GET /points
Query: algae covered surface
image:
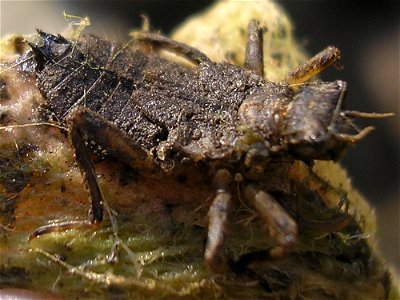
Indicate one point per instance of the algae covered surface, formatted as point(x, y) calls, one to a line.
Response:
point(151, 244)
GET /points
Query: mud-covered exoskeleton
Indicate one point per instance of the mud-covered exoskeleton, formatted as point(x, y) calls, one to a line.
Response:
point(159, 116)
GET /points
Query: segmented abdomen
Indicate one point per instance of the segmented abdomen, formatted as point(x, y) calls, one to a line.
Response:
point(101, 76)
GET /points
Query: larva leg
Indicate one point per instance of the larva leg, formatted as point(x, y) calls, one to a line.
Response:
point(281, 227)
point(85, 124)
point(217, 221)
point(315, 65)
point(192, 54)
point(254, 55)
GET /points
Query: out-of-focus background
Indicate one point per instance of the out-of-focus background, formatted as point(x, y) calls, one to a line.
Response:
point(366, 32)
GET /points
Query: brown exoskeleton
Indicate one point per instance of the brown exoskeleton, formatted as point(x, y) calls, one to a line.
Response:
point(158, 116)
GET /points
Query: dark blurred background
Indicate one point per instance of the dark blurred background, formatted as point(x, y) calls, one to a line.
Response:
point(368, 35)
point(366, 32)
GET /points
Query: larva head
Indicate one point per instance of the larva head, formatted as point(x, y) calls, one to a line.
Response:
point(307, 123)
point(314, 126)
point(317, 127)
